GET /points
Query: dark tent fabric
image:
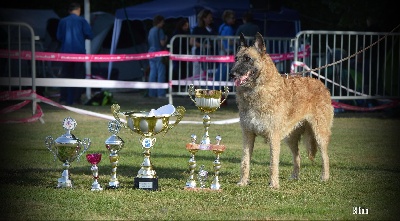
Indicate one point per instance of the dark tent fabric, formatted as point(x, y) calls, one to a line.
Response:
point(190, 8)
point(41, 20)
point(168, 9)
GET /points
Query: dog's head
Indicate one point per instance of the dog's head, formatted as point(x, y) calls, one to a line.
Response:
point(249, 61)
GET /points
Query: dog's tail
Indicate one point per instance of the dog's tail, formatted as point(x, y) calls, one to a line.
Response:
point(312, 151)
point(310, 143)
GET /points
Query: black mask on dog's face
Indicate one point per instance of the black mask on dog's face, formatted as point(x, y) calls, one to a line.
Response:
point(246, 67)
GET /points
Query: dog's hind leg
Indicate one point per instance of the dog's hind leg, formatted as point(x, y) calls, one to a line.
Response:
point(293, 142)
point(321, 138)
point(323, 146)
point(248, 146)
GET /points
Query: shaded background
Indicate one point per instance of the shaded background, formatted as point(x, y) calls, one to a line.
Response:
point(315, 14)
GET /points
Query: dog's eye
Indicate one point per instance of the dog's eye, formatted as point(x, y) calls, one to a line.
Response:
point(247, 58)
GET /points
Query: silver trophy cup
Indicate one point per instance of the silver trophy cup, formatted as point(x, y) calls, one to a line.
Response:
point(67, 148)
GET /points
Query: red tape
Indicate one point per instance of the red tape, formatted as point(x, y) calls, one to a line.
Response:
point(356, 108)
point(13, 95)
point(51, 56)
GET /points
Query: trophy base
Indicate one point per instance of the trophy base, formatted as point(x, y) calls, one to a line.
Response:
point(113, 185)
point(198, 189)
point(64, 183)
point(96, 187)
point(145, 183)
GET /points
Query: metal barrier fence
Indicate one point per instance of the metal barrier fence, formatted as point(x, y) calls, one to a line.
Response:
point(373, 73)
point(213, 75)
point(19, 36)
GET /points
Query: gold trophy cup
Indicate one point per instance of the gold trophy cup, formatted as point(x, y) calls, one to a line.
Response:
point(148, 124)
point(114, 144)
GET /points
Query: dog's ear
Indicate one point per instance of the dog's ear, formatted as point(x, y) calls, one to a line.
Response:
point(260, 44)
point(242, 41)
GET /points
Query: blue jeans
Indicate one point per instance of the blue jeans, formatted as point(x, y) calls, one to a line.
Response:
point(157, 74)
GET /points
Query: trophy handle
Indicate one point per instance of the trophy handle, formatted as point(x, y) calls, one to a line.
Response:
point(86, 144)
point(225, 93)
point(191, 91)
point(115, 111)
point(179, 113)
point(49, 141)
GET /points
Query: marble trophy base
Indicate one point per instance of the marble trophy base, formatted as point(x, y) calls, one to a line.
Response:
point(145, 183)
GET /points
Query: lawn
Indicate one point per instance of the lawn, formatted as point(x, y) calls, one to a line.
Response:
point(364, 158)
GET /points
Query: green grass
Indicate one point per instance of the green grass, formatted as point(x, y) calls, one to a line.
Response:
point(364, 159)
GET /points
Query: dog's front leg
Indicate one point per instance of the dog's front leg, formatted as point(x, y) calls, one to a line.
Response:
point(248, 146)
point(275, 149)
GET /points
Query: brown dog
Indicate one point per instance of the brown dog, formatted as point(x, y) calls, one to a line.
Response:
point(276, 107)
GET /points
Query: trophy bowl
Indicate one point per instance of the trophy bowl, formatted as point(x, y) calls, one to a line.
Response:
point(93, 158)
point(145, 125)
point(149, 123)
point(67, 148)
point(207, 100)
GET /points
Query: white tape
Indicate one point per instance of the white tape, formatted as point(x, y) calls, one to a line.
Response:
point(92, 83)
point(109, 117)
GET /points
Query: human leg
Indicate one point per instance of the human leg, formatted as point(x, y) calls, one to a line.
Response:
point(153, 76)
point(79, 73)
point(161, 78)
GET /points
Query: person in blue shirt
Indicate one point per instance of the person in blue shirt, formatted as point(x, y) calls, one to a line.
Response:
point(72, 32)
point(227, 46)
point(157, 40)
point(227, 29)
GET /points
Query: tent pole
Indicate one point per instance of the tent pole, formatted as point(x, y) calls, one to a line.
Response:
point(88, 51)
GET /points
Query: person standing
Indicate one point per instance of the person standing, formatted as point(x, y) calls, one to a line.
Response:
point(227, 29)
point(199, 45)
point(157, 40)
point(248, 28)
point(180, 46)
point(72, 31)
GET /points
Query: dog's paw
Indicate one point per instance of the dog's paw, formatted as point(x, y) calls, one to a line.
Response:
point(294, 177)
point(242, 183)
point(325, 177)
point(274, 185)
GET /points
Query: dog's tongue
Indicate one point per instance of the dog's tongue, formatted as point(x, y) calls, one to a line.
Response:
point(237, 82)
point(241, 80)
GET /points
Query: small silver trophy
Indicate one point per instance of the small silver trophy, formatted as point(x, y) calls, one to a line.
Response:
point(67, 148)
point(202, 176)
point(114, 144)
